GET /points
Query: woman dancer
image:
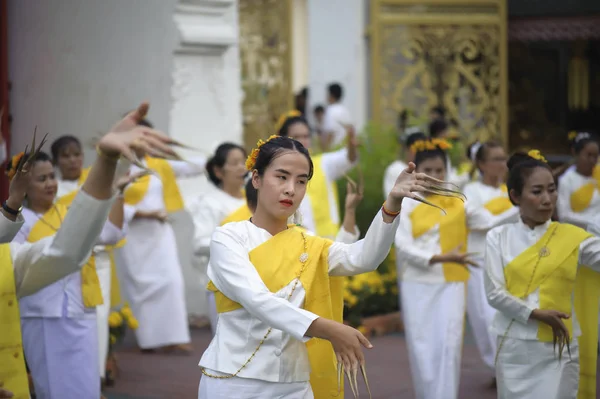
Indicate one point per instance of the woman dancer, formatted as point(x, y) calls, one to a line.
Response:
point(578, 187)
point(151, 274)
point(531, 268)
point(488, 192)
point(271, 281)
point(433, 275)
point(226, 170)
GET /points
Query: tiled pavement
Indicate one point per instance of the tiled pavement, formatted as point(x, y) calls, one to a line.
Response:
point(145, 376)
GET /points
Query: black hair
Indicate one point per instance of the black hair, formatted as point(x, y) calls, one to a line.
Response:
point(39, 157)
point(520, 167)
point(284, 129)
point(271, 150)
point(219, 159)
point(436, 127)
point(413, 138)
point(60, 143)
point(581, 140)
point(439, 110)
point(319, 108)
point(251, 195)
point(335, 90)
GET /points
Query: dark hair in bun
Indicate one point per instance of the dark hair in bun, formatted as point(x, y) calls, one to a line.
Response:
point(220, 159)
point(582, 139)
point(520, 166)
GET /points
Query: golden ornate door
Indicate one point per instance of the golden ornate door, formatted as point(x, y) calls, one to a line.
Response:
point(451, 53)
point(266, 65)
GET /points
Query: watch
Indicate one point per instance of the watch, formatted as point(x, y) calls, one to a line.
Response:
point(8, 209)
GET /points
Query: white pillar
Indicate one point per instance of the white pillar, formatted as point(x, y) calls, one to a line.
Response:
point(205, 108)
point(338, 53)
point(206, 93)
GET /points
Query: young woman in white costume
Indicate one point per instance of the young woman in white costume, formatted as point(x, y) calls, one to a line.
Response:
point(579, 187)
point(151, 275)
point(270, 280)
point(433, 274)
point(226, 170)
point(488, 192)
point(67, 156)
point(50, 259)
point(533, 276)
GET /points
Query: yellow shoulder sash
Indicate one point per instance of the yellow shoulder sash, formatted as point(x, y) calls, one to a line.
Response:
point(581, 198)
point(67, 199)
point(499, 205)
point(12, 364)
point(453, 230)
point(171, 194)
point(318, 192)
point(47, 226)
point(239, 215)
point(550, 266)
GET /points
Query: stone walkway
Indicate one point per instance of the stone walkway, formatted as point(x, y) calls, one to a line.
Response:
point(151, 376)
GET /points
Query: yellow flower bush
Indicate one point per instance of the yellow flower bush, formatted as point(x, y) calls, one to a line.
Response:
point(371, 294)
point(115, 319)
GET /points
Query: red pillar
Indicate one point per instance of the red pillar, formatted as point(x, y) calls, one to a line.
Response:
point(4, 91)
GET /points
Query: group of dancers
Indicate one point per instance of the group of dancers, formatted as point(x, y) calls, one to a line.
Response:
point(271, 250)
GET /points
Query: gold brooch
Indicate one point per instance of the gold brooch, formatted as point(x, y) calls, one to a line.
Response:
point(545, 251)
point(303, 257)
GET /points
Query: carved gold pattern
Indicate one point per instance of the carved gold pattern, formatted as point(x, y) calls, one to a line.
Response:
point(449, 56)
point(265, 52)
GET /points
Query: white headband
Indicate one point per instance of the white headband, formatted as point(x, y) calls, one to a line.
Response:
point(473, 151)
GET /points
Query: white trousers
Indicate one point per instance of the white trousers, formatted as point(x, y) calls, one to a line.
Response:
point(246, 388)
point(434, 317)
point(481, 315)
point(531, 370)
point(102, 311)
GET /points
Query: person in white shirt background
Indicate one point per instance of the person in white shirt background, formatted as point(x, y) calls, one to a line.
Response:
point(336, 118)
point(404, 157)
point(579, 187)
point(277, 365)
point(490, 193)
point(532, 272)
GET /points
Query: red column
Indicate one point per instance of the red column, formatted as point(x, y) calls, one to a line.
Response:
point(4, 92)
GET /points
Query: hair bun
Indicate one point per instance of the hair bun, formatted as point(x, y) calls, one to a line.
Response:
point(520, 157)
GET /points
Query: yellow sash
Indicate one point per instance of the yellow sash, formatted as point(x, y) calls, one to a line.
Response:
point(498, 205)
point(171, 195)
point(115, 288)
point(453, 230)
point(239, 215)
point(318, 192)
point(12, 364)
point(67, 199)
point(47, 226)
point(277, 263)
point(581, 198)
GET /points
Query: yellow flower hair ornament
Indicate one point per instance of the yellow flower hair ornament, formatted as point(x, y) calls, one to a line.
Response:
point(572, 135)
point(430, 145)
point(284, 117)
point(14, 162)
point(251, 160)
point(536, 154)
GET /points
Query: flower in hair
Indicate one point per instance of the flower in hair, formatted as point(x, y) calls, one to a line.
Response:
point(430, 145)
point(572, 135)
point(536, 154)
point(14, 162)
point(284, 117)
point(251, 160)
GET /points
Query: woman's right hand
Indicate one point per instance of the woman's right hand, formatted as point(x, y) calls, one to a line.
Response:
point(553, 318)
point(455, 256)
point(347, 342)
